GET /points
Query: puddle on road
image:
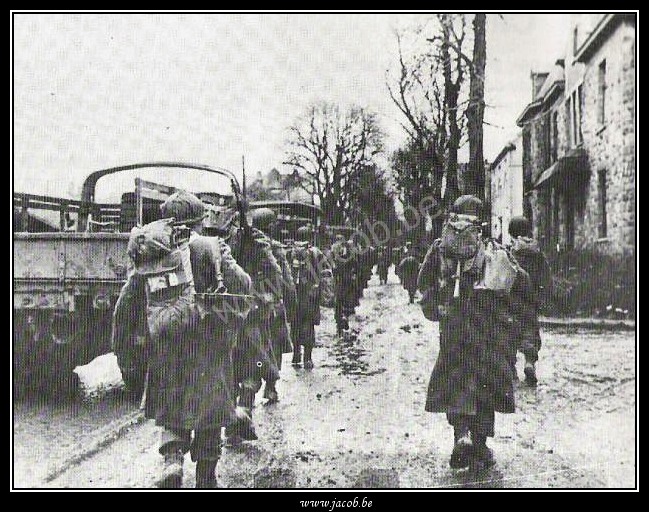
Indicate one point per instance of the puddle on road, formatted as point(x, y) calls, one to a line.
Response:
point(350, 357)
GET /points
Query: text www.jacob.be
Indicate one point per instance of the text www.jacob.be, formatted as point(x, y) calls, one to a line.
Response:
point(334, 504)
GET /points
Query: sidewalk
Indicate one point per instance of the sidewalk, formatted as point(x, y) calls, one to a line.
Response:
point(588, 323)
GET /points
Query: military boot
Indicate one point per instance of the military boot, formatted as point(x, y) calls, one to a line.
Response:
point(530, 374)
point(297, 356)
point(483, 456)
point(462, 450)
point(206, 474)
point(270, 393)
point(172, 471)
point(241, 428)
point(308, 362)
point(514, 373)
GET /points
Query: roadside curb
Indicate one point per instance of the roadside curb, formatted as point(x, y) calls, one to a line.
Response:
point(103, 437)
point(589, 323)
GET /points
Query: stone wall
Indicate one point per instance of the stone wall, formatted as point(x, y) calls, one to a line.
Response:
point(611, 146)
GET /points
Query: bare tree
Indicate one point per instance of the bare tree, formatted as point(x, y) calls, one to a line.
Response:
point(428, 90)
point(452, 39)
point(330, 147)
point(417, 93)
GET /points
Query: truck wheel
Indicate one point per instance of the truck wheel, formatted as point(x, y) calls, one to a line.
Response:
point(42, 365)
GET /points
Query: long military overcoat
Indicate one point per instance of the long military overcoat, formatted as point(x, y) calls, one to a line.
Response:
point(477, 341)
point(190, 380)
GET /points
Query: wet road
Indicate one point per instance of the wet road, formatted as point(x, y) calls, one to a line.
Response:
point(357, 419)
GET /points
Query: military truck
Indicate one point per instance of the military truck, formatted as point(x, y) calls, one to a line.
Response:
point(70, 262)
point(291, 215)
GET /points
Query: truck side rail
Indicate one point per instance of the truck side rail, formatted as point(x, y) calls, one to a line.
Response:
point(101, 212)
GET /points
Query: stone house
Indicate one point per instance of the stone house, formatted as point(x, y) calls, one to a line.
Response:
point(274, 185)
point(578, 141)
point(578, 138)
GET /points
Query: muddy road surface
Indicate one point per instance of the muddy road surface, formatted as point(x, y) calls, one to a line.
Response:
point(357, 419)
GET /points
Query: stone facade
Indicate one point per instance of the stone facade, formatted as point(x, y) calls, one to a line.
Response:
point(591, 205)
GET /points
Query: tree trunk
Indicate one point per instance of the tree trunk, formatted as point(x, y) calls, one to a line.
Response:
point(451, 91)
point(475, 180)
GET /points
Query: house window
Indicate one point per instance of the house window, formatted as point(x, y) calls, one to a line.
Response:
point(527, 157)
point(569, 121)
point(570, 221)
point(547, 139)
point(556, 219)
point(580, 113)
point(601, 93)
point(601, 192)
point(574, 110)
point(555, 137)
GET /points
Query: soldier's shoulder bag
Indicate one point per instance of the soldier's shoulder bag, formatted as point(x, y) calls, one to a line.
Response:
point(161, 255)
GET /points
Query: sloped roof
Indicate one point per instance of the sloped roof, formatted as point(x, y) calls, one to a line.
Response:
point(552, 86)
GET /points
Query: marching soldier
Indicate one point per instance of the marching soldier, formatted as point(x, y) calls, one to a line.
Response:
point(407, 270)
point(190, 383)
point(529, 256)
point(345, 270)
point(253, 356)
point(472, 281)
point(309, 266)
point(264, 219)
point(383, 264)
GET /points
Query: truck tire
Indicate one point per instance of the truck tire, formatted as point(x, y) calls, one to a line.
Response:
point(43, 368)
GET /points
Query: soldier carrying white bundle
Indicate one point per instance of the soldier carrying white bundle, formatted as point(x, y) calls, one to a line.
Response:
point(469, 284)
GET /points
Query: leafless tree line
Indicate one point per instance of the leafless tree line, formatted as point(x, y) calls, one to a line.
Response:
point(439, 114)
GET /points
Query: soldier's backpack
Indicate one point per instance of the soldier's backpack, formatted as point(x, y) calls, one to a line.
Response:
point(528, 254)
point(161, 257)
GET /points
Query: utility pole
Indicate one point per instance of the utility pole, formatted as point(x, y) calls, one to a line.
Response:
point(243, 168)
point(475, 182)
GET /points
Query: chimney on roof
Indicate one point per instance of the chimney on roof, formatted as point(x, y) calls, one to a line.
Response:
point(538, 80)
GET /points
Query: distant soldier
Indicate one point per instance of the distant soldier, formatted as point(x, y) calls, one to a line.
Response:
point(383, 264)
point(345, 270)
point(471, 282)
point(265, 219)
point(190, 383)
point(529, 256)
point(309, 266)
point(408, 270)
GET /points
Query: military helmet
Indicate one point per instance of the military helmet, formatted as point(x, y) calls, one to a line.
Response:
point(184, 207)
point(262, 218)
point(468, 205)
point(520, 226)
point(303, 234)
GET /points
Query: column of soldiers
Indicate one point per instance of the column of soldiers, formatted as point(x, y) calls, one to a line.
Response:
point(204, 370)
point(352, 265)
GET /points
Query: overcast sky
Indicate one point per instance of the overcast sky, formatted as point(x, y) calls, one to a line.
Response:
point(97, 90)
